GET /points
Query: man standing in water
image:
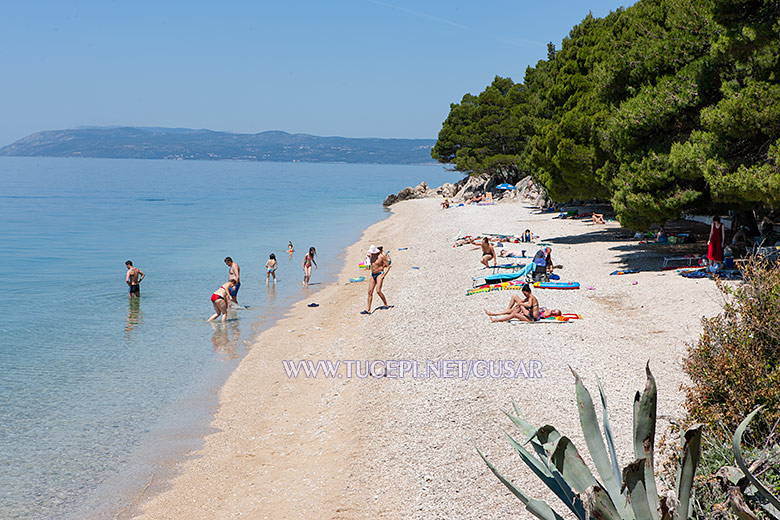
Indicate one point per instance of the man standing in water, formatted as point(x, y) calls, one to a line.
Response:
point(133, 279)
point(379, 269)
point(234, 275)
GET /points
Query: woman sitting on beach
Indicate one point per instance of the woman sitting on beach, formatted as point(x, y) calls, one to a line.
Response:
point(523, 309)
point(526, 236)
point(445, 204)
point(220, 299)
point(598, 218)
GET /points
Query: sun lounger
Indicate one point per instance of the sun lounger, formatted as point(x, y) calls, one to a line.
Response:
point(687, 259)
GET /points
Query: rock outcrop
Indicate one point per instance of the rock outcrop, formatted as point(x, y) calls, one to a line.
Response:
point(418, 192)
point(474, 185)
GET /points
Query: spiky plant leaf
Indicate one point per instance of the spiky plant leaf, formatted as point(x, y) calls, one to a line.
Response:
point(608, 436)
point(538, 508)
point(561, 489)
point(595, 443)
point(598, 504)
point(691, 453)
point(567, 460)
point(645, 405)
point(736, 444)
point(634, 480)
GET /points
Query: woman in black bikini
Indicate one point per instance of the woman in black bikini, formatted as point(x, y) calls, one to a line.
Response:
point(220, 299)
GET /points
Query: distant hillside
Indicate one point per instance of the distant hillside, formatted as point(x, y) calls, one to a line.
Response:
point(182, 143)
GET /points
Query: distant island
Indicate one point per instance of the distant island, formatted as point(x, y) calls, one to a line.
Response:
point(187, 144)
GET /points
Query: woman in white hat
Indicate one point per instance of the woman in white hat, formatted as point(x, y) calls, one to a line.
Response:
point(379, 268)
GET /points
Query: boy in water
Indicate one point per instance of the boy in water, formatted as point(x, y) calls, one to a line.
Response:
point(133, 279)
point(235, 274)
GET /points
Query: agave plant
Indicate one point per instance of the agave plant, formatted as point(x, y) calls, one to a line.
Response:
point(630, 494)
point(742, 485)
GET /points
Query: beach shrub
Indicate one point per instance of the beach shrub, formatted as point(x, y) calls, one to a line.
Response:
point(735, 365)
point(723, 490)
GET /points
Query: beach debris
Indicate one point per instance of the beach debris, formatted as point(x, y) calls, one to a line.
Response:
point(312, 304)
point(590, 288)
point(414, 267)
point(357, 279)
point(634, 282)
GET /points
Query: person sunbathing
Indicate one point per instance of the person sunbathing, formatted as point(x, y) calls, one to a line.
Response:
point(523, 309)
point(598, 218)
point(549, 313)
point(445, 204)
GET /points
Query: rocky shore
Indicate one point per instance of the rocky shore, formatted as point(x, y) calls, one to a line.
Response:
point(526, 189)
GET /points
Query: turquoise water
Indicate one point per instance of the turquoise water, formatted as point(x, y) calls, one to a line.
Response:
point(95, 389)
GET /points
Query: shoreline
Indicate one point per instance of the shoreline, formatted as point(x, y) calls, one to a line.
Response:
point(166, 494)
point(353, 448)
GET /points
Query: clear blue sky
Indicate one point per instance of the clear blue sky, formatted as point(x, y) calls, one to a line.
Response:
point(355, 68)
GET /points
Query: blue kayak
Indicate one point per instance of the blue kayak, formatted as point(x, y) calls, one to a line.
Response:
point(503, 277)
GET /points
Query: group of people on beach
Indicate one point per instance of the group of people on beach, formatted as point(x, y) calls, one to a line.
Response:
point(525, 308)
point(227, 294)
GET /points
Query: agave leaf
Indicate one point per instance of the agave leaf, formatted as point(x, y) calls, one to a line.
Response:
point(634, 479)
point(770, 510)
point(538, 508)
point(567, 460)
point(561, 489)
point(736, 444)
point(609, 437)
point(524, 426)
point(598, 504)
point(644, 434)
point(595, 442)
point(691, 454)
point(547, 434)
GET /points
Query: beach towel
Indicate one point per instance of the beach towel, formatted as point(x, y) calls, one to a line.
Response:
point(505, 286)
point(624, 271)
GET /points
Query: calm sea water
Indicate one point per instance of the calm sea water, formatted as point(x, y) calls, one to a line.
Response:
point(95, 389)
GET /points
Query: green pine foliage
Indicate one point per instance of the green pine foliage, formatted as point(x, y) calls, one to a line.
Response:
point(662, 107)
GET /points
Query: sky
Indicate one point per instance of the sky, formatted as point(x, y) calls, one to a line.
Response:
point(352, 68)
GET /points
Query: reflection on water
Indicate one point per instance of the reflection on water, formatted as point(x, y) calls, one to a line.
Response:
point(225, 339)
point(270, 292)
point(134, 318)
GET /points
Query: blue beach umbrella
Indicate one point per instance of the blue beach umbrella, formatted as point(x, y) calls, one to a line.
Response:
point(505, 186)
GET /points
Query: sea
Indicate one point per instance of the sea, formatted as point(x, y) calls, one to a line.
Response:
point(99, 394)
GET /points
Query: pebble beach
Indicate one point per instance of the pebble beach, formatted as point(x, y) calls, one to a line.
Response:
point(405, 447)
